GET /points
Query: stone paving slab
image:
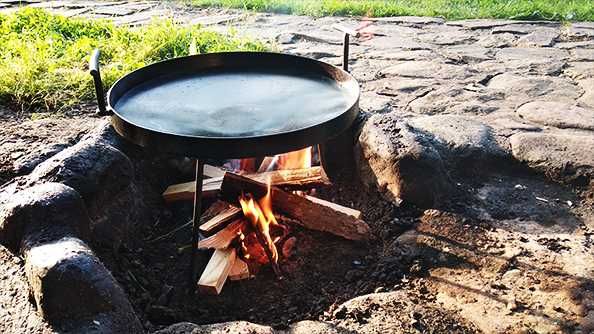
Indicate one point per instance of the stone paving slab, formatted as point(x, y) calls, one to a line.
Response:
point(519, 89)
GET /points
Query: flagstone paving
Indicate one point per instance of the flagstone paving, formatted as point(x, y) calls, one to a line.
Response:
point(518, 90)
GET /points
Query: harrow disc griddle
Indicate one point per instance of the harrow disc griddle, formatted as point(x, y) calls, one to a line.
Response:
point(233, 104)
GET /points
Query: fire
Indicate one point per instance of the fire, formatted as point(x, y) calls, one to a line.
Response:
point(295, 160)
point(258, 241)
point(260, 215)
point(292, 160)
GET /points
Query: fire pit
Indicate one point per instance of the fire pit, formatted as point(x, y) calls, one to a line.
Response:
point(238, 105)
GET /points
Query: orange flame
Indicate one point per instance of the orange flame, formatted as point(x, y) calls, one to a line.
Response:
point(261, 217)
point(296, 159)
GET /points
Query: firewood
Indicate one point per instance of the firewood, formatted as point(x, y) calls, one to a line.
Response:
point(223, 238)
point(298, 178)
point(310, 214)
point(337, 207)
point(224, 216)
point(212, 171)
point(239, 271)
point(266, 164)
point(216, 271)
point(305, 177)
point(185, 191)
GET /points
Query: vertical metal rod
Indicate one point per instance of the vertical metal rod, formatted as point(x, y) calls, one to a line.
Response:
point(196, 219)
point(345, 53)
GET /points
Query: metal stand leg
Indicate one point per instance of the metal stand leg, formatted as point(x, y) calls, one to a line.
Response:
point(196, 220)
point(337, 156)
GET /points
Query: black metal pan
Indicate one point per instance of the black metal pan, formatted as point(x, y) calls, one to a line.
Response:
point(230, 105)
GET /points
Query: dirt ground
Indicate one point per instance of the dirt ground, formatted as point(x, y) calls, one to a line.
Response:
point(509, 252)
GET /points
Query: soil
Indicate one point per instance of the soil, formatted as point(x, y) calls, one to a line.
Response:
point(493, 227)
point(323, 272)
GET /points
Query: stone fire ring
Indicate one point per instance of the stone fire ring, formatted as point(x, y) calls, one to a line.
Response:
point(85, 193)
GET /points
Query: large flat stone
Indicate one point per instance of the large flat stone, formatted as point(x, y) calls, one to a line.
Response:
point(464, 138)
point(580, 69)
point(396, 312)
point(519, 28)
point(476, 24)
point(427, 69)
point(93, 168)
point(467, 53)
point(447, 37)
point(17, 313)
point(531, 55)
point(103, 176)
point(504, 40)
point(458, 100)
point(582, 55)
point(561, 157)
point(575, 45)
point(587, 99)
point(400, 54)
point(401, 162)
point(74, 291)
point(53, 208)
point(519, 89)
point(541, 37)
point(411, 20)
point(238, 327)
point(557, 114)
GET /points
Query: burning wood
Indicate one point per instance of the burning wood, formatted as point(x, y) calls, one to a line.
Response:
point(216, 271)
point(261, 218)
point(224, 216)
point(300, 159)
point(310, 214)
point(224, 237)
point(239, 271)
point(297, 178)
point(249, 237)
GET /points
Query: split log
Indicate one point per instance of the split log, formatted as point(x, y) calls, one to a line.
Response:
point(305, 177)
point(297, 178)
point(239, 271)
point(216, 271)
point(267, 162)
point(223, 238)
point(185, 191)
point(212, 171)
point(310, 214)
point(334, 206)
point(224, 216)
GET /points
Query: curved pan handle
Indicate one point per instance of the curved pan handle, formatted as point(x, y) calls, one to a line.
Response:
point(94, 69)
point(345, 52)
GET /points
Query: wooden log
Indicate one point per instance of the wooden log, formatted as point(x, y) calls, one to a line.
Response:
point(239, 271)
point(223, 238)
point(310, 214)
point(185, 191)
point(224, 216)
point(306, 177)
point(212, 171)
point(334, 206)
point(215, 274)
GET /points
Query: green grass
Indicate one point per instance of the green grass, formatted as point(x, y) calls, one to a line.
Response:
point(559, 10)
point(44, 57)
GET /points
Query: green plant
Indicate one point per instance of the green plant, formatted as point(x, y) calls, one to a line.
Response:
point(559, 10)
point(43, 57)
